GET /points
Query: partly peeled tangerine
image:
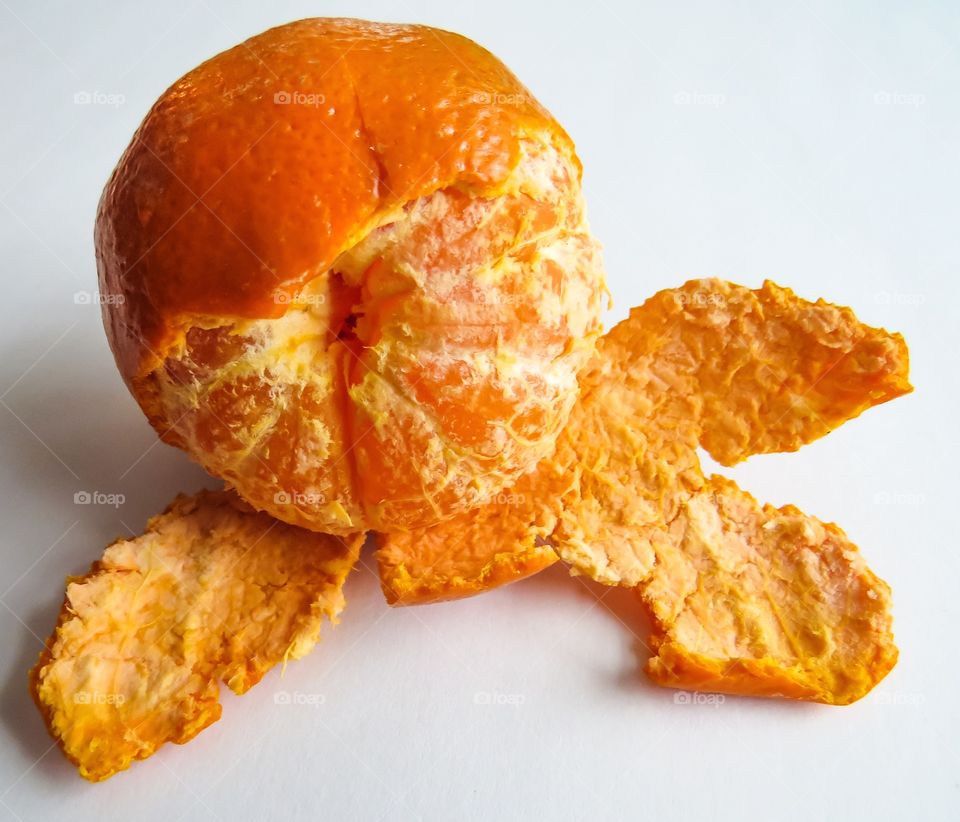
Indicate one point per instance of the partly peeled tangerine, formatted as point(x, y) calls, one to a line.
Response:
point(364, 312)
point(211, 592)
point(745, 599)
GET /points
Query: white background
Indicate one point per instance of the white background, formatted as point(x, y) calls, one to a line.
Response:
point(813, 144)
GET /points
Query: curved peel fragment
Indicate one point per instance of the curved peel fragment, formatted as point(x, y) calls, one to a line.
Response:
point(786, 602)
point(492, 545)
point(736, 370)
point(211, 591)
point(764, 601)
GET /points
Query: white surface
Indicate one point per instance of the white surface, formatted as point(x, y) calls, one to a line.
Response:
point(807, 143)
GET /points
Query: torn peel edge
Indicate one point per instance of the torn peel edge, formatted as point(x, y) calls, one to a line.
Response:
point(210, 593)
point(209, 714)
point(816, 619)
point(400, 587)
point(674, 666)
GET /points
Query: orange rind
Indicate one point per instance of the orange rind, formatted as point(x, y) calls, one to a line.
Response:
point(739, 372)
point(490, 546)
point(756, 600)
point(744, 598)
point(211, 592)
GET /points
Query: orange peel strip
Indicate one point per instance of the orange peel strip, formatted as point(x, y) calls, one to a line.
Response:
point(483, 549)
point(211, 591)
point(736, 370)
point(790, 606)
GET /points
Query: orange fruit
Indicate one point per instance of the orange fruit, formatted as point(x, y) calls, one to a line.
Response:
point(352, 274)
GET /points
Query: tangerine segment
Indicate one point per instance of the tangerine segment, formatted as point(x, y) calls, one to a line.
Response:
point(211, 591)
point(764, 601)
point(263, 404)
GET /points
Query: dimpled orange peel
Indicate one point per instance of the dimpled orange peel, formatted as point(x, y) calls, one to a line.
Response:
point(746, 599)
point(352, 273)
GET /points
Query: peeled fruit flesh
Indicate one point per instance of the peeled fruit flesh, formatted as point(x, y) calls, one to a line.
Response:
point(434, 365)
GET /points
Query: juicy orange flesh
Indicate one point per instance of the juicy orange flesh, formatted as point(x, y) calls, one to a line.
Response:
point(744, 598)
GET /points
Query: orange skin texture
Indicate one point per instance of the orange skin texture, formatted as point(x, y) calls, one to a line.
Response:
point(212, 592)
point(745, 599)
point(409, 118)
point(408, 196)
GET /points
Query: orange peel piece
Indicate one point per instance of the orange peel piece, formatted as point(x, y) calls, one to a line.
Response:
point(490, 546)
point(764, 601)
point(744, 599)
point(211, 591)
point(736, 370)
